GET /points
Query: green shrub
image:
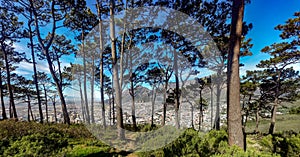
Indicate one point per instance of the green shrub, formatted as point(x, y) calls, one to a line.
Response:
point(295, 110)
point(285, 143)
point(37, 145)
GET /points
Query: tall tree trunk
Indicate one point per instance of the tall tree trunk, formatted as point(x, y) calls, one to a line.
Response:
point(45, 48)
point(177, 91)
point(82, 101)
point(211, 106)
point(2, 97)
point(165, 100)
point(46, 103)
point(200, 111)
point(64, 107)
point(192, 113)
point(256, 120)
point(234, 117)
point(54, 109)
point(92, 90)
point(121, 132)
point(35, 78)
point(110, 110)
point(273, 117)
point(152, 106)
point(276, 103)
point(59, 89)
point(132, 93)
point(218, 95)
point(28, 107)
point(9, 88)
point(101, 63)
point(84, 80)
point(113, 105)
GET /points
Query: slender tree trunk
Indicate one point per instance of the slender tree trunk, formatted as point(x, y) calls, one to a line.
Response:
point(256, 120)
point(217, 119)
point(234, 117)
point(9, 88)
point(2, 97)
point(273, 118)
point(132, 93)
point(46, 103)
point(177, 91)
point(133, 113)
point(153, 103)
point(35, 81)
point(192, 113)
point(84, 80)
point(10, 111)
point(92, 90)
point(165, 100)
point(101, 63)
point(110, 108)
point(59, 89)
point(121, 133)
point(200, 111)
point(276, 103)
point(211, 106)
point(31, 114)
point(28, 106)
point(64, 107)
point(113, 106)
point(54, 109)
point(45, 49)
point(82, 101)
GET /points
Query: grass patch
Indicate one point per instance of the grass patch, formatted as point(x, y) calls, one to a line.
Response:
point(284, 122)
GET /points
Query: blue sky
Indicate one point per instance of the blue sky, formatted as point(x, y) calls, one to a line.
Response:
point(265, 15)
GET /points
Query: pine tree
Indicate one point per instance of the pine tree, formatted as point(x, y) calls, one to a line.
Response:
point(281, 80)
point(44, 12)
point(10, 32)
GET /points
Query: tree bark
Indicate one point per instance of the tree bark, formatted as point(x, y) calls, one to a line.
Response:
point(2, 97)
point(35, 81)
point(28, 107)
point(82, 101)
point(110, 109)
point(211, 106)
point(152, 105)
point(101, 63)
point(234, 117)
point(165, 99)
point(9, 88)
point(256, 120)
point(92, 89)
point(200, 111)
point(276, 103)
point(217, 118)
point(84, 80)
point(120, 126)
point(45, 49)
point(54, 109)
point(46, 103)
point(177, 91)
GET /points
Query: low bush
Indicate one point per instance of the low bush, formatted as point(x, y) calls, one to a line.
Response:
point(37, 145)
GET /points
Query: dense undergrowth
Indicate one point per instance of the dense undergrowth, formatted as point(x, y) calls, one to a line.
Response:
point(34, 139)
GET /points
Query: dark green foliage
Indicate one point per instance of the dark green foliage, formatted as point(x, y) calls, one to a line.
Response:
point(295, 110)
point(285, 143)
point(35, 139)
point(37, 145)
